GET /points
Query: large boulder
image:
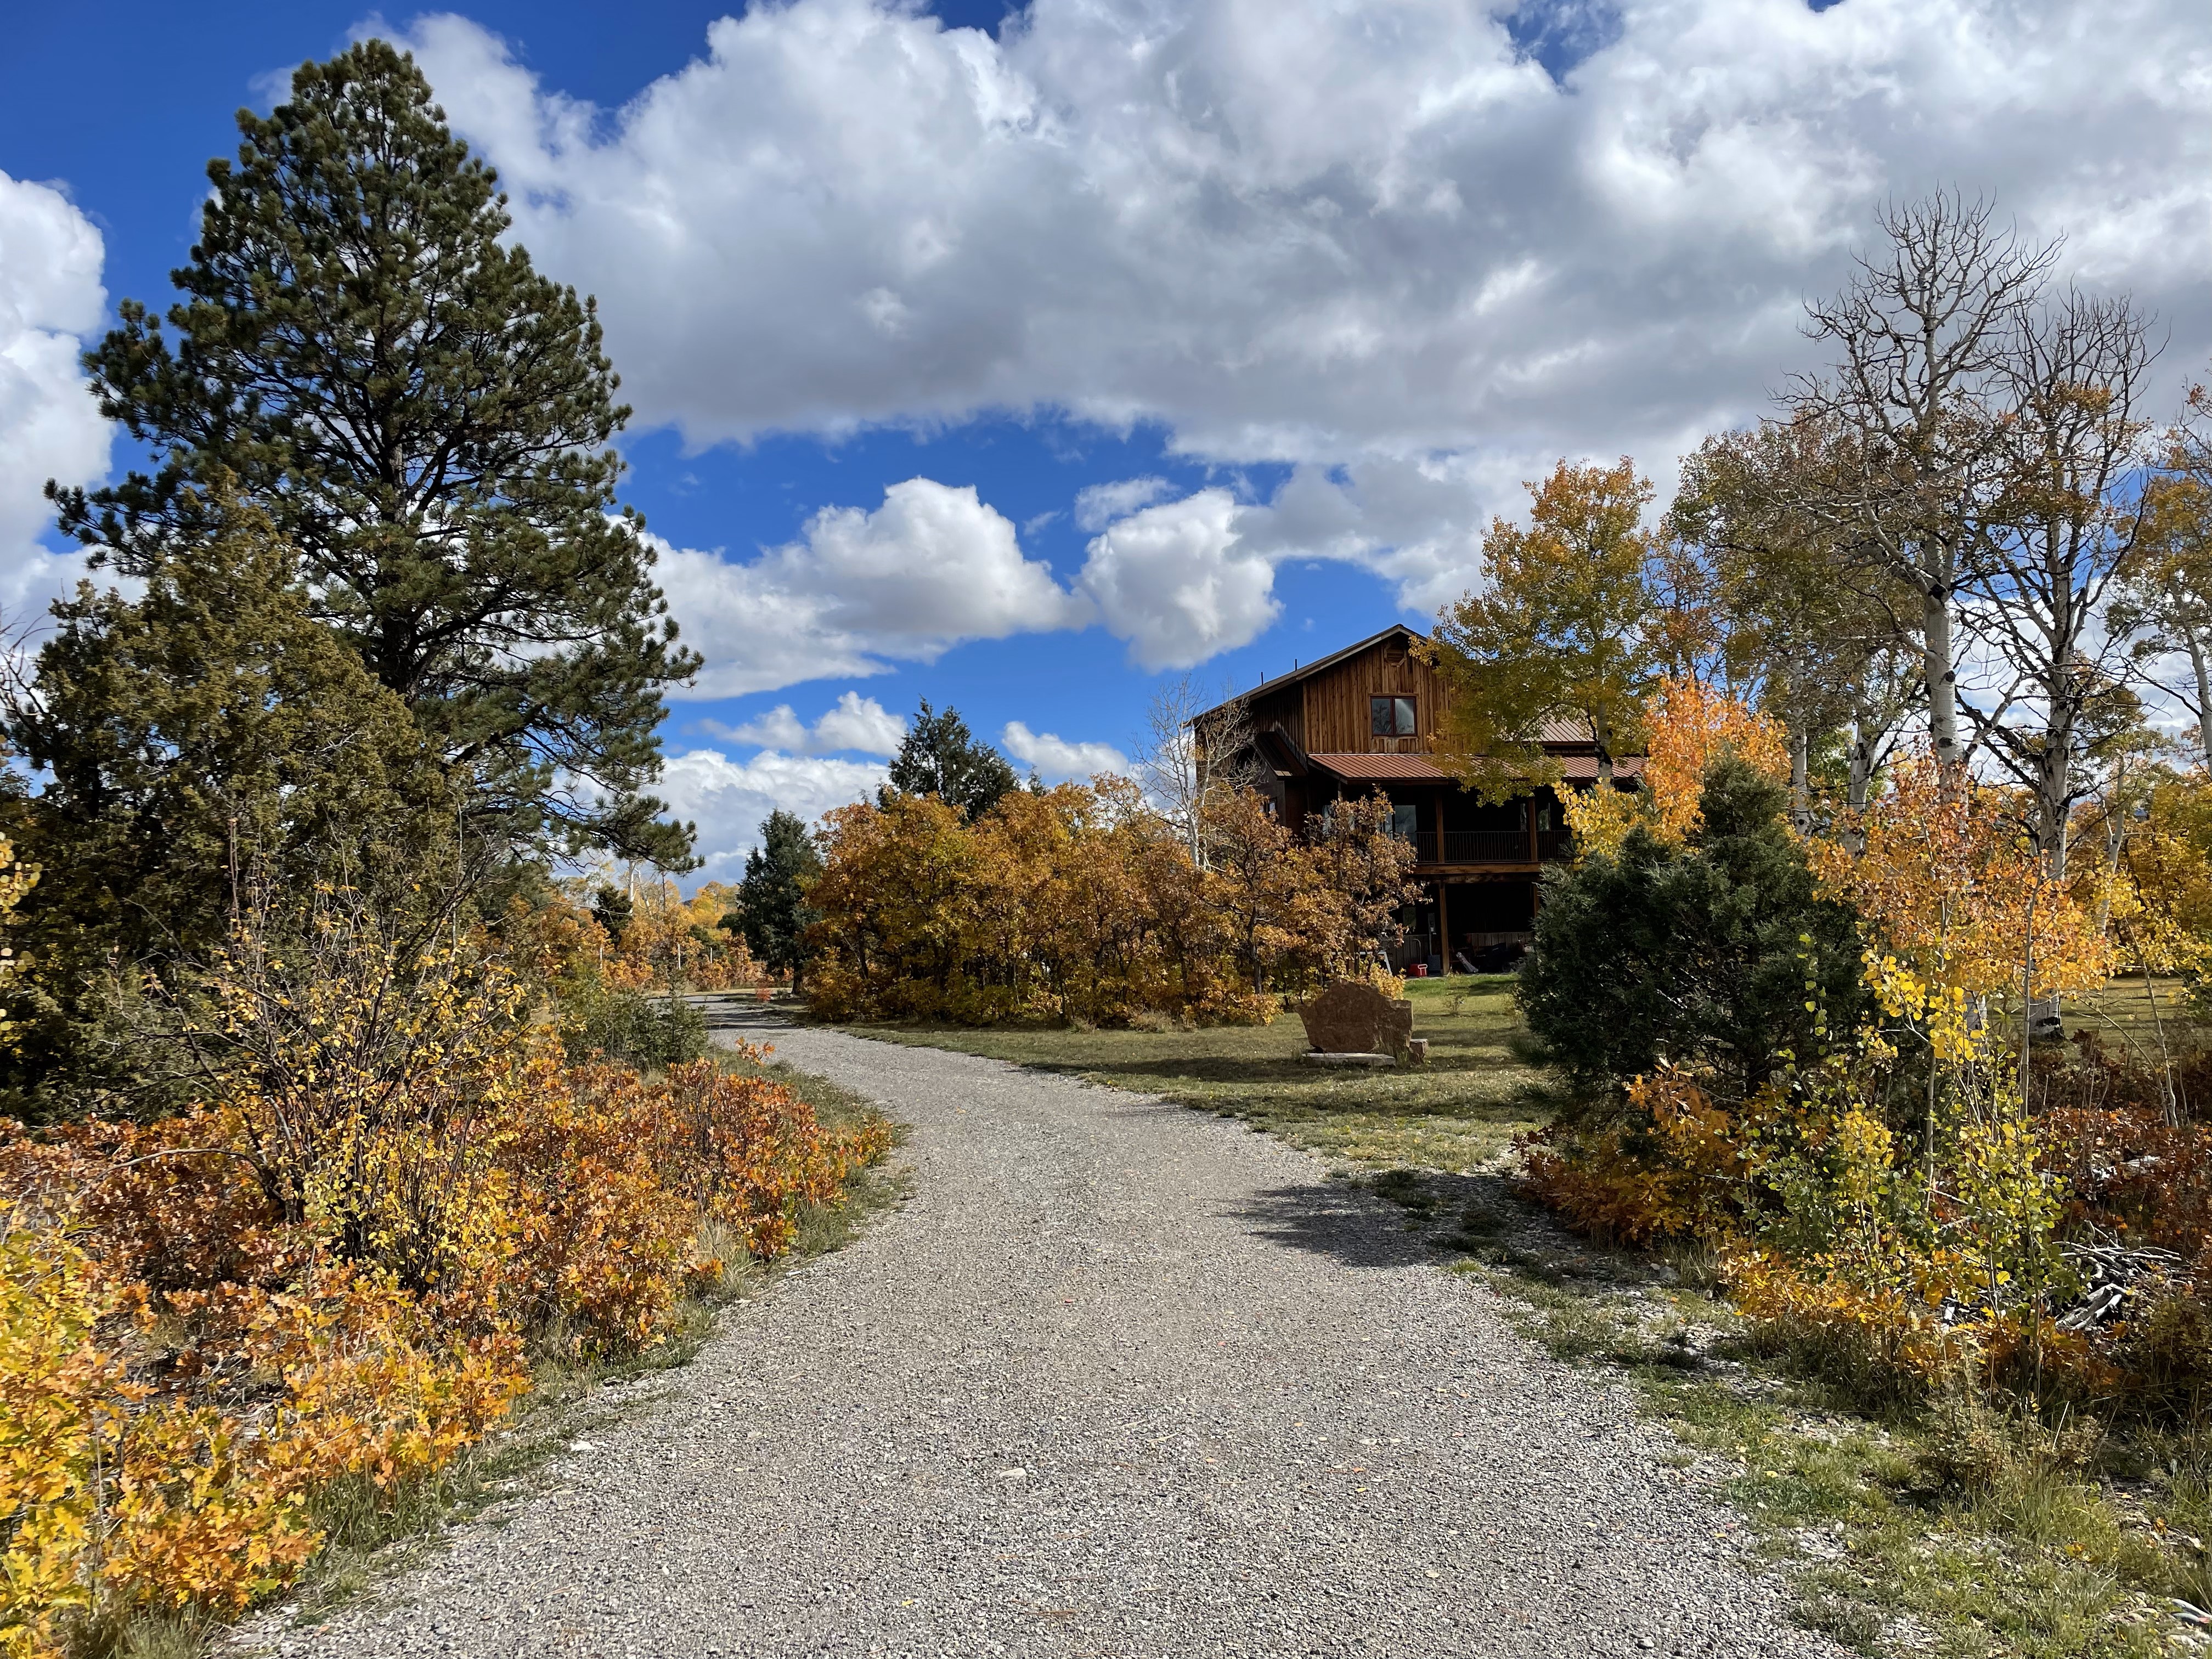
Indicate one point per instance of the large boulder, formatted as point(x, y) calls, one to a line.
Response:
point(1351, 1018)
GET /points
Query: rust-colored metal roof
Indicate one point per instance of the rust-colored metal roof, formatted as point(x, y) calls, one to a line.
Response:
point(1583, 768)
point(1378, 769)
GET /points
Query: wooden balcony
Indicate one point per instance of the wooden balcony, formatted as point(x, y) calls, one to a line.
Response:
point(1488, 850)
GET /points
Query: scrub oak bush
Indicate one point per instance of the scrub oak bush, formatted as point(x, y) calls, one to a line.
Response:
point(396, 1193)
point(1082, 904)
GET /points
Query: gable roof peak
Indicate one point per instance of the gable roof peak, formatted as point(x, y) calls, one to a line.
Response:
point(1305, 670)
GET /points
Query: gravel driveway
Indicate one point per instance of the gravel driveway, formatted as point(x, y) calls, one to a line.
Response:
point(1121, 1379)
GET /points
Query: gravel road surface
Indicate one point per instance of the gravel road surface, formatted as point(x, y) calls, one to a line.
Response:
point(1121, 1379)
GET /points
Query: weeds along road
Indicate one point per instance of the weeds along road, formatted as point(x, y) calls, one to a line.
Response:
point(1121, 1379)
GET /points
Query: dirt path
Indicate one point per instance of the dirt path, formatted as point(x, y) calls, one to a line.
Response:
point(1121, 1379)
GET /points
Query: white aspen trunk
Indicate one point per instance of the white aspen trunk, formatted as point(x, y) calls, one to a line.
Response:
point(1942, 676)
point(2204, 671)
point(1860, 784)
point(2116, 837)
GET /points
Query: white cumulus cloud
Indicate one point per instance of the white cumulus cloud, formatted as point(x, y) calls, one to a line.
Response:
point(853, 722)
point(1321, 233)
point(935, 565)
point(1056, 760)
point(729, 799)
point(51, 298)
point(1179, 583)
point(1099, 505)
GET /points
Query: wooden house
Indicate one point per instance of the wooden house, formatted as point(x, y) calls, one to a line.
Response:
point(1365, 719)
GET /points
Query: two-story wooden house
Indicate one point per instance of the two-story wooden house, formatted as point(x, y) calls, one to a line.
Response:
point(1365, 719)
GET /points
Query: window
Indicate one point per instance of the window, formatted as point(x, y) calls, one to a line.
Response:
point(1391, 717)
point(1406, 822)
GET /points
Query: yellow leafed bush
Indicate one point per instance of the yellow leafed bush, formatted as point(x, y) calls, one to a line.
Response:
point(337, 1268)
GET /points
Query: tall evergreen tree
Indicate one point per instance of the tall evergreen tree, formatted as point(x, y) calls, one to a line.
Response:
point(426, 420)
point(940, 756)
point(772, 913)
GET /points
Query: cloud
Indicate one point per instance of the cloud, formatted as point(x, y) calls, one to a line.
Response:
point(1178, 582)
point(728, 800)
point(854, 722)
point(932, 566)
point(1394, 232)
point(1101, 504)
point(1056, 760)
point(51, 298)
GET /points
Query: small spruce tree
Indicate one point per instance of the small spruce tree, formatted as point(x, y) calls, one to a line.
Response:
point(941, 757)
point(1700, 955)
point(772, 913)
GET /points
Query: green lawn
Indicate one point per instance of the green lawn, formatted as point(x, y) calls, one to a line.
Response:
point(1458, 1112)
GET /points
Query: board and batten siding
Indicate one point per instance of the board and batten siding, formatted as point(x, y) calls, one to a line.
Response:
point(1285, 707)
point(1336, 714)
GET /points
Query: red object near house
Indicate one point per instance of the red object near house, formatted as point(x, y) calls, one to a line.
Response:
point(1419, 970)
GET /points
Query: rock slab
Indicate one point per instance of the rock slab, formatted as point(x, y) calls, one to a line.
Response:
point(1348, 1017)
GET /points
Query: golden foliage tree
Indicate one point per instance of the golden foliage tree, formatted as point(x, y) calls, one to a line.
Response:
point(1564, 625)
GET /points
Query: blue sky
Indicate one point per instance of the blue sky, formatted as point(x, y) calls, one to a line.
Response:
point(1298, 295)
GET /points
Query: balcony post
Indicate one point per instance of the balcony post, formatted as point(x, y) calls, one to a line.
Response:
point(1530, 809)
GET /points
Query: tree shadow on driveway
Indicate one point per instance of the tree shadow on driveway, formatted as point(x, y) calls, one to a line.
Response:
point(1335, 1219)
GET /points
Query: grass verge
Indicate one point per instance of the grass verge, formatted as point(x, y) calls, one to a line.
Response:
point(1459, 1111)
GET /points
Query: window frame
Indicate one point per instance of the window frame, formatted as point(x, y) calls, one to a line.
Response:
point(1394, 716)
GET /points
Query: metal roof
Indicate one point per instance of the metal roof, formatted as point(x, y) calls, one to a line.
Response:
point(1579, 768)
point(1377, 768)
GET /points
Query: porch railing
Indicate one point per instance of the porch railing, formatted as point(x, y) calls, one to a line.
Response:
point(1486, 846)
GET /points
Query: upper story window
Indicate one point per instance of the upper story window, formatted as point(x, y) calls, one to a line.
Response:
point(1391, 717)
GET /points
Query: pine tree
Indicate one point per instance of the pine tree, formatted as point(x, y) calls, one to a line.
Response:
point(426, 420)
point(941, 757)
point(772, 913)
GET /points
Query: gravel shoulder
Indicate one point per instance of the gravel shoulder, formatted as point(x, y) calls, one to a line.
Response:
point(1120, 1379)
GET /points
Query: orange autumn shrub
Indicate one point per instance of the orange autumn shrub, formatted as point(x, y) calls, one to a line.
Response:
point(609, 1174)
point(1891, 1330)
point(1681, 1167)
point(335, 1270)
point(160, 1451)
point(1690, 728)
point(672, 939)
point(1084, 903)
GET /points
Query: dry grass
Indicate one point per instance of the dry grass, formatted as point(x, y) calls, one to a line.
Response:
point(1460, 1111)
